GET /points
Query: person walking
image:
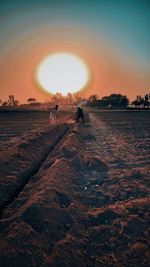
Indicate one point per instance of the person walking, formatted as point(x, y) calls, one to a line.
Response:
point(53, 116)
point(79, 114)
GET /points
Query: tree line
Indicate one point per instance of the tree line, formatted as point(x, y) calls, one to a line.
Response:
point(119, 101)
point(69, 99)
point(111, 101)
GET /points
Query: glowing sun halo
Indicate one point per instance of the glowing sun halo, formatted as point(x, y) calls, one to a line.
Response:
point(62, 72)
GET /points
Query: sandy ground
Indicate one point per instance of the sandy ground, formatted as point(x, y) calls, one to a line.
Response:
point(85, 203)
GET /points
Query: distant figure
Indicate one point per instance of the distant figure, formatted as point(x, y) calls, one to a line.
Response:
point(79, 114)
point(53, 114)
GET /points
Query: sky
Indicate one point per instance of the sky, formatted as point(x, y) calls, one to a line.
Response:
point(111, 36)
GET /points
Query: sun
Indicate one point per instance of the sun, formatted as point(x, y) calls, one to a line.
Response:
point(63, 73)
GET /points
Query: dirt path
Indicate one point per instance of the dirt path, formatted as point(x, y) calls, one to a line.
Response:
point(84, 207)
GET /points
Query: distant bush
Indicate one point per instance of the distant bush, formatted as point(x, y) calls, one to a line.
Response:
point(112, 101)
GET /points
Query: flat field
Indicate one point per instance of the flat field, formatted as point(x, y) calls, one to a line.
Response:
point(75, 194)
point(15, 123)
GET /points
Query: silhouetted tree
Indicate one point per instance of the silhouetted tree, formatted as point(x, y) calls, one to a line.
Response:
point(77, 98)
point(54, 99)
point(93, 98)
point(138, 102)
point(16, 103)
point(146, 98)
point(11, 100)
point(69, 98)
point(115, 100)
point(146, 101)
point(31, 100)
point(5, 104)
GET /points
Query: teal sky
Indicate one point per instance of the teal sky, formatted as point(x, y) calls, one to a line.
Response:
point(123, 24)
point(126, 24)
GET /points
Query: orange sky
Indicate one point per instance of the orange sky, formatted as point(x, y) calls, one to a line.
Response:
point(111, 71)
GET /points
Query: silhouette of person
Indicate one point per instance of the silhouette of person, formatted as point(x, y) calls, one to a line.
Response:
point(56, 108)
point(53, 114)
point(79, 114)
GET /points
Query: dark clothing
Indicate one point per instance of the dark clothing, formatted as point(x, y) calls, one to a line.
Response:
point(80, 114)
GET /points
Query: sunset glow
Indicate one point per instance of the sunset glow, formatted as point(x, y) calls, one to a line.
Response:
point(63, 73)
point(108, 42)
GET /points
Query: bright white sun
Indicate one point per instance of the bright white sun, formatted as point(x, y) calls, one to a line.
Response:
point(63, 73)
